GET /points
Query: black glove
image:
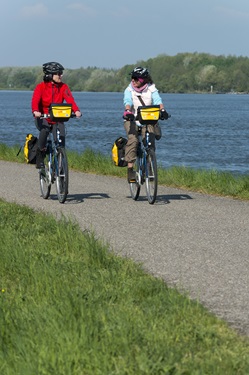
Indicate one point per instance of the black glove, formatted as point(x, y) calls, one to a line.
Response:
point(164, 114)
point(128, 115)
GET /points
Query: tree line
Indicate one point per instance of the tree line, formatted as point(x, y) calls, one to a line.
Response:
point(182, 73)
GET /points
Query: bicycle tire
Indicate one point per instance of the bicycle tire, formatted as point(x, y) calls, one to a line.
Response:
point(45, 181)
point(135, 186)
point(62, 176)
point(151, 179)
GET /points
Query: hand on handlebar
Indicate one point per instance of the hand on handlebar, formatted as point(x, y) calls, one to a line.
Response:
point(78, 114)
point(164, 115)
point(37, 114)
point(128, 115)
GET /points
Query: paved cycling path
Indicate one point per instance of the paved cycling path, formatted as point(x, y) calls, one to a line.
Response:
point(195, 241)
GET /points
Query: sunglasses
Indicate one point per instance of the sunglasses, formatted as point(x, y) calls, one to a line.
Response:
point(58, 73)
point(137, 79)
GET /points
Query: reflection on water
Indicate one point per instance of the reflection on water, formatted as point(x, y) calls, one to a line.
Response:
point(205, 131)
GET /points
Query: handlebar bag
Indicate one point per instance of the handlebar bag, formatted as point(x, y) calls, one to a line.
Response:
point(148, 115)
point(60, 112)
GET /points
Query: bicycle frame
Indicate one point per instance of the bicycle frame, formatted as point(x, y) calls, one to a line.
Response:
point(52, 154)
point(142, 153)
point(146, 167)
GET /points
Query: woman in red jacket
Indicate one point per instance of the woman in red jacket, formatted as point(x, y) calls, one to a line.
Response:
point(51, 90)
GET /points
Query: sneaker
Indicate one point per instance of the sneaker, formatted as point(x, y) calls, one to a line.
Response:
point(40, 165)
point(131, 175)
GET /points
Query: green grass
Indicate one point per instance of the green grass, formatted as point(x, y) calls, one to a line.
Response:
point(210, 182)
point(68, 305)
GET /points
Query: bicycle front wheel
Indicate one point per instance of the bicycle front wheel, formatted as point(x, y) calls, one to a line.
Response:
point(151, 180)
point(135, 186)
point(45, 179)
point(62, 175)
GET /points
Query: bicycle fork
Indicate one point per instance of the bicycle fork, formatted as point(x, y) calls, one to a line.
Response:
point(58, 167)
point(50, 162)
point(147, 144)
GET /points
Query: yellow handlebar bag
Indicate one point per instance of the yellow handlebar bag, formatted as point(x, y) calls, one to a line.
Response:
point(148, 114)
point(60, 112)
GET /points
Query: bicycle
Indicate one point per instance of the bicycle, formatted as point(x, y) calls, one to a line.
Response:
point(146, 162)
point(55, 165)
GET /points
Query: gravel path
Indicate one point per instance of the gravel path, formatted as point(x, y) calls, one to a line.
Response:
point(195, 241)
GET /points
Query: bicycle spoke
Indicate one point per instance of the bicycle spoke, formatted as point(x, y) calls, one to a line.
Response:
point(62, 176)
point(151, 176)
point(45, 183)
point(135, 186)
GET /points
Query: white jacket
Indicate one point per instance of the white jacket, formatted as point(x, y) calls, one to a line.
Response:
point(146, 96)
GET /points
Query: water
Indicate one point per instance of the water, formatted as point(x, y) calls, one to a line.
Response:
point(205, 131)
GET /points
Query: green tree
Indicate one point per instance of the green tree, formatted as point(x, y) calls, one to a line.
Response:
point(184, 72)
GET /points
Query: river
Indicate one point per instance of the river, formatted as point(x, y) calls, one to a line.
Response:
point(205, 131)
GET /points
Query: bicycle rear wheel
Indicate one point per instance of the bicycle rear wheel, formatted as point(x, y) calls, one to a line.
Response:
point(62, 175)
point(45, 180)
point(135, 186)
point(151, 180)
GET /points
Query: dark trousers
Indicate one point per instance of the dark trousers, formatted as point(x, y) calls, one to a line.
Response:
point(45, 128)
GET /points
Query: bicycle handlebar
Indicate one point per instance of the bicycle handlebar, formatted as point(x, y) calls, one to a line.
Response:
point(127, 118)
point(47, 115)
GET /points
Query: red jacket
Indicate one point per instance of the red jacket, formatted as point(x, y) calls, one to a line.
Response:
point(46, 93)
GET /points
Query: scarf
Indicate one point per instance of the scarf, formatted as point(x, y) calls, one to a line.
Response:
point(139, 89)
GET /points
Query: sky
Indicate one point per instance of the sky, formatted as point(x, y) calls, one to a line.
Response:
point(113, 33)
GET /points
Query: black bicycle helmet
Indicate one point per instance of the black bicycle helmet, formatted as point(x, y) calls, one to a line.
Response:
point(52, 68)
point(140, 72)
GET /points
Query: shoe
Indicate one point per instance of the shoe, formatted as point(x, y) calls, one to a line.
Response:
point(40, 165)
point(39, 159)
point(131, 175)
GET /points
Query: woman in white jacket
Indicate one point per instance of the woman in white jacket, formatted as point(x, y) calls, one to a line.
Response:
point(140, 90)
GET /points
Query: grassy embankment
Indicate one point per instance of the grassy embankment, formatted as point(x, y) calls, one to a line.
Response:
point(210, 182)
point(69, 306)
